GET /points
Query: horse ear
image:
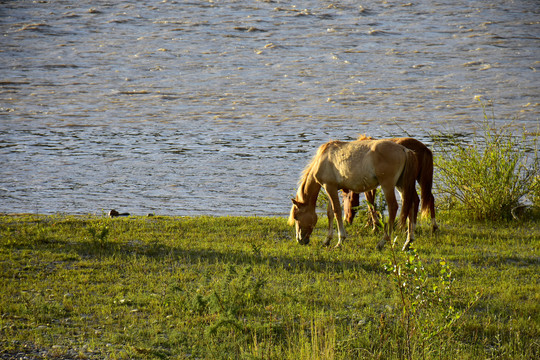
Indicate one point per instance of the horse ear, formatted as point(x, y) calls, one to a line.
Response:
point(296, 202)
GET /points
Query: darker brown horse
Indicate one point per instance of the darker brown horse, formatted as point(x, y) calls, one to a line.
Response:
point(424, 177)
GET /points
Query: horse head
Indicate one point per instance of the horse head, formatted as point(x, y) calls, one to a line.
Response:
point(305, 219)
point(350, 203)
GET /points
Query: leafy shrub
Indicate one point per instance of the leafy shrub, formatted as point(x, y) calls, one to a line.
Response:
point(492, 174)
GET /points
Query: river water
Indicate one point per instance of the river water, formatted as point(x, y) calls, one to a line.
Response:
point(214, 107)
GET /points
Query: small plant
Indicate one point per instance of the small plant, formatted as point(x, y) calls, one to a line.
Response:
point(535, 192)
point(492, 174)
point(99, 236)
point(379, 209)
point(231, 299)
point(425, 310)
point(256, 249)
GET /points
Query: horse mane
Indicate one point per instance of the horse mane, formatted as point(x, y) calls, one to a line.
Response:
point(364, 137)
point(307, 170)
point(302, 183)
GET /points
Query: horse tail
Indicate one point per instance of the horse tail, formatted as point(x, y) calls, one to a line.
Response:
point(408, 186)
point(425, 179)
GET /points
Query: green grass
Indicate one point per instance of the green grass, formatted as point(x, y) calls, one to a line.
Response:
point(241, 288)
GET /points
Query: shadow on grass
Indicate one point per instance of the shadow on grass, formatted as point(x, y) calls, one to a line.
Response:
point(157, 251)
point(69, 239)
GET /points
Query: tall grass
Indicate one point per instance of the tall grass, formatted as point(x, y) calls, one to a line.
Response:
point(492, 175)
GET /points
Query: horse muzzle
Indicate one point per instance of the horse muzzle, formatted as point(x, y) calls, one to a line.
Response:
point(302, 240)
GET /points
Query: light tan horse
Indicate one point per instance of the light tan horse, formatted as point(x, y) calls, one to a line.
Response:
point(358, 166)
point(424, 178)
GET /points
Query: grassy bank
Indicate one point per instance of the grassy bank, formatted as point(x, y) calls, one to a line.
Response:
point(226, 288)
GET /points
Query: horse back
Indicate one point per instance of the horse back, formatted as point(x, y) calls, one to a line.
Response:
point(361, 165)
point(423, 153)
point(389, 160)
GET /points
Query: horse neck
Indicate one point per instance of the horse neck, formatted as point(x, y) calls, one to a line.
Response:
point(309, 191)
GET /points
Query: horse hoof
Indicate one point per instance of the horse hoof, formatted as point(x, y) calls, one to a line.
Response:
point(406, 245)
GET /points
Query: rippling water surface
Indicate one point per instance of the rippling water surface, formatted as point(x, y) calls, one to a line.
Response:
point(214, 107)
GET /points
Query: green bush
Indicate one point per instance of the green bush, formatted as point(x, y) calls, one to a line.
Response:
point(492, 175)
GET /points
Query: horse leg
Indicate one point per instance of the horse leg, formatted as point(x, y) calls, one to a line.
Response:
point(370, 198)
point(351, 200)
point(336, 206)
point(392, 203)
point(330, 214)
point(434, 226)
point(412, 216)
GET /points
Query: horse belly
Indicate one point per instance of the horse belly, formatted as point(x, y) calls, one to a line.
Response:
point(360, 180)
point(361, 185)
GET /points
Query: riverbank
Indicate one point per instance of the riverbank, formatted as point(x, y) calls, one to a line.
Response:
point(240, 287)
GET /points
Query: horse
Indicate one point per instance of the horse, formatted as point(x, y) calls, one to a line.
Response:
point(357, 166)
point(424, 156)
